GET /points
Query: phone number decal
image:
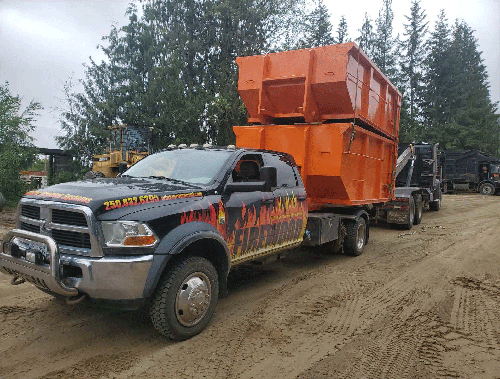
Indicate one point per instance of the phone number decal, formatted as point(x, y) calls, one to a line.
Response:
point(138, 200)
point(130, 201)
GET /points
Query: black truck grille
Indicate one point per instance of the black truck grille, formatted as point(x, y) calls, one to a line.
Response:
point(60, 216)
point(30, 211)
point(73, 239)
point(30, 227)
point(61, 219)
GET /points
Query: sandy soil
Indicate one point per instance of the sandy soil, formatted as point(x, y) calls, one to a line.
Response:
point(417, 304)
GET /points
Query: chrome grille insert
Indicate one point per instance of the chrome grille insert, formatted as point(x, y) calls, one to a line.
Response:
point(73, 227)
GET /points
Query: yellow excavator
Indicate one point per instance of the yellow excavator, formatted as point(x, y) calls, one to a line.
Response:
point(127, 145)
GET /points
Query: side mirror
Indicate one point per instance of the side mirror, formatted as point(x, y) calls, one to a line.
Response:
point(268, 174)
point(122, 167)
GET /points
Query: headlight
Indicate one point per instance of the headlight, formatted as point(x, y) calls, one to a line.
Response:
point(127, 234)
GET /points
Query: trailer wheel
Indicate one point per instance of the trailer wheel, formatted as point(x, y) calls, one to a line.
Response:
point(184, 301)
point(419, 208)
point(487, 189)
point(355, 239)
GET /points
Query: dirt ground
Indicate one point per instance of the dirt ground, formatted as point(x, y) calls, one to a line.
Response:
point(417, 304)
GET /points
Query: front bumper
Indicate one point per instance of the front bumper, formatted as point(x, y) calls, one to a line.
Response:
point(106, 278)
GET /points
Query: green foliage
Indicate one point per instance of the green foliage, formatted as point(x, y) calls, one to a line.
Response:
point(342, 35)
point(458, 112)
point(366, 37)
point(16, 150)
point(74, 171)
point(318, 28)
point(412, 69)
point(384, 45)
point(172, 69)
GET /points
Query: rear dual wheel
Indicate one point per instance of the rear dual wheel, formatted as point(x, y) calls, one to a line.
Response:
point(356, 237)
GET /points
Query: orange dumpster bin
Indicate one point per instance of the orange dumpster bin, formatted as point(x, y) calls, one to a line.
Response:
point(338, 168)
point(334, 111)
point(336, 83)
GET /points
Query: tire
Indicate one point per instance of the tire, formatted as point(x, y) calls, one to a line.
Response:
point(94, 175)
point(419, 208)
point(436, 204)
point(355, 239)
point(411, 214)
point(487, 189)
point(184, 301)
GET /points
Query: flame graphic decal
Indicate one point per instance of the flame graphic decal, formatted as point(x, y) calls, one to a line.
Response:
point(258, 231)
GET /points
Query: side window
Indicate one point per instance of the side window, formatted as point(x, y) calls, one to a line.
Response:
point(247, 169)
point(286, 174)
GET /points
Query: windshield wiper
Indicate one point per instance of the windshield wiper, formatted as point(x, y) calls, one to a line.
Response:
point(171, 179)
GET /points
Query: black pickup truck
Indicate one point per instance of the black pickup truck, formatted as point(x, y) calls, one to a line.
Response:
point(166, 232)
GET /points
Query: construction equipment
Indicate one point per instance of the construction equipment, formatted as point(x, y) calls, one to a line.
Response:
point(128, 144)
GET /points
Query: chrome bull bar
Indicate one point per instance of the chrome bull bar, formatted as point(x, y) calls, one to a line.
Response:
point(44, 276)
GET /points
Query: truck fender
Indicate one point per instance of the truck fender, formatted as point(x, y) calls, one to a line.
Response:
point(175, 242)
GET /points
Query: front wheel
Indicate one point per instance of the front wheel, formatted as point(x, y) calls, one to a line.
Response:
point(487, 189)
point(436, 204)
point(185, 299)
point(355, 239)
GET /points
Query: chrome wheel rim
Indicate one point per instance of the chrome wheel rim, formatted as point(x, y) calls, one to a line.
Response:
point(487, 190)
point(193, 299)
point(360, 242)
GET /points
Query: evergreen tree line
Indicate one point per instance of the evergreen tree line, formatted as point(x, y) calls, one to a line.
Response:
point(172, 67)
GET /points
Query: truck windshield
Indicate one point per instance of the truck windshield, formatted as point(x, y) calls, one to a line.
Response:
point(188, 165)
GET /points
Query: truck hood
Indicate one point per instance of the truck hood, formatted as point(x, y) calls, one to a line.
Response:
point(108, 194)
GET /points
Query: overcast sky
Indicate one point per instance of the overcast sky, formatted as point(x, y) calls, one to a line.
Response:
point(45, 43)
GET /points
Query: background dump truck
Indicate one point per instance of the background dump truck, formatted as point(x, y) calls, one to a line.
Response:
point(470, 171)
point(418, 184)
point(127, 145)
point(320, 163)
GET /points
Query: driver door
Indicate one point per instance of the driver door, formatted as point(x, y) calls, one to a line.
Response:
point(248, 213)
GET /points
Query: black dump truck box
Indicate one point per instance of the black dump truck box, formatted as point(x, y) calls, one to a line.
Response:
point(462, 166)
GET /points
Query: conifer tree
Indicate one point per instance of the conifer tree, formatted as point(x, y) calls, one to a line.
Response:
point(342, 35)
point(173, 68)
point(412, 58)
point(384, 54)
point(366, 38)
point(458, 112)
point(319, 27)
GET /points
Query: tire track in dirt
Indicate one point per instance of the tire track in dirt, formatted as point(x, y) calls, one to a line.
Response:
point(395, 300)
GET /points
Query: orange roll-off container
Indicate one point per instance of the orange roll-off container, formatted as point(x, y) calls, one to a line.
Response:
point(328, 83)
point(341, 163)
point(335, 171)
